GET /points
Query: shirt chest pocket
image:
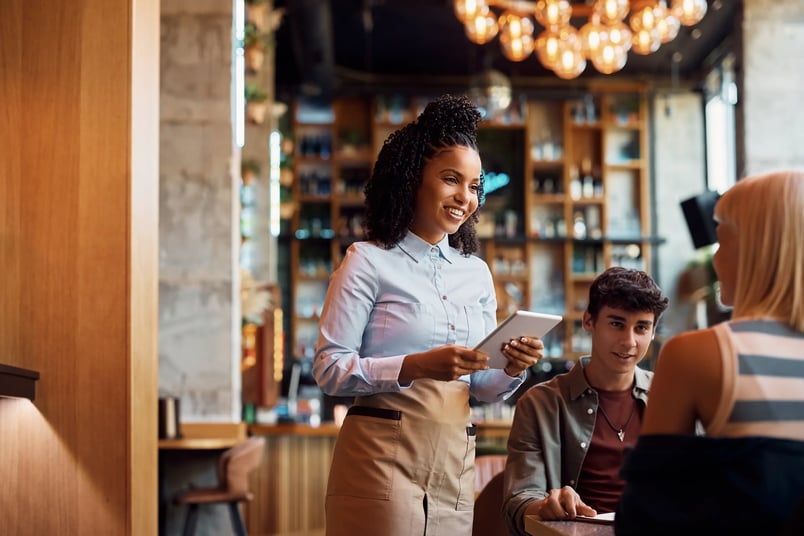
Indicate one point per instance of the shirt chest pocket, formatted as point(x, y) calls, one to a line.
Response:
point(469, 325)
point(396, 328)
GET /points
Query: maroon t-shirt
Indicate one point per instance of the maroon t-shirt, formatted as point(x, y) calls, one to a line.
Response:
point(600, 485)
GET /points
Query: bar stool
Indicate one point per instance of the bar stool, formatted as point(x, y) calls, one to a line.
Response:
point(234, 467)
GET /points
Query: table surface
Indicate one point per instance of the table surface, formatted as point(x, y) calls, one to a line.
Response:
point(536, 527)
point(199, 443)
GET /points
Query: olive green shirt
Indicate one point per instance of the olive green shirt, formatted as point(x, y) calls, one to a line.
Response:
point(550, 435)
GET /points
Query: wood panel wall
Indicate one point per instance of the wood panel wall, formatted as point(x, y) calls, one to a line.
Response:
point(290, 486)
point(79, 90)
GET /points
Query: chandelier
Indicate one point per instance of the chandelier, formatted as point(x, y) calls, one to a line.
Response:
point(604, 40)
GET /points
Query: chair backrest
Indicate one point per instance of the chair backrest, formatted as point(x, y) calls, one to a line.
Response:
point(237, 463)
point(486, 467)
point(488, 516)
point(795, 523)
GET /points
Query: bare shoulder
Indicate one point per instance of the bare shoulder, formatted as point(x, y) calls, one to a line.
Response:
point(686, 384)
point(686, 350)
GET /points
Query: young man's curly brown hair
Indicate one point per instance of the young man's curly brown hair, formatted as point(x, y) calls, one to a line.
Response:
point(448, 121)
point(626, 289)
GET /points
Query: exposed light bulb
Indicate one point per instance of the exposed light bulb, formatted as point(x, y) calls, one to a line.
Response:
point(689, 12)
point(516, 36)
point(646, 42)
point(610, 59)
point(466, 10)
point(620, 35)
point(483, 27)
point(612, 11)
point(553, 12)
point(547, 48)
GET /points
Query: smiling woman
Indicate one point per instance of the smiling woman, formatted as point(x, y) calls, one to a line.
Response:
point(402, 314)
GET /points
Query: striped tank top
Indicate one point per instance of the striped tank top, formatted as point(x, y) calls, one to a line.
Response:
point(763, 380)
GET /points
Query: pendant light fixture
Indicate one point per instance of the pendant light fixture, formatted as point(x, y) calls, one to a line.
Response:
point(612, 29)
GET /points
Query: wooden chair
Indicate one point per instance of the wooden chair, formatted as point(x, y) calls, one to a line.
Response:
point(488, 516)
point(234, 467)
point(795, 524)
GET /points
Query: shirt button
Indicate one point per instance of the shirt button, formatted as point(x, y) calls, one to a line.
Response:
point(443, 297)
point(452, 327)
point(572, 482)
point(433, 250)
point(590, 411)
point(583, 444)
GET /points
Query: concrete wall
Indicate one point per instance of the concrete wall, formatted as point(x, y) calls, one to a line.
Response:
point(679, 173)
point(773, 85)
point(199, 314)
point(771, 115)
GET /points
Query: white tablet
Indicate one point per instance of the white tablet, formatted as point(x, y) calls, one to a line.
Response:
point(519, 324)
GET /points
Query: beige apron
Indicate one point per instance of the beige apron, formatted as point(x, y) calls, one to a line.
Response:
point(404, 464)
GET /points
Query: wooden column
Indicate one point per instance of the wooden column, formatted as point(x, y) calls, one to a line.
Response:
point(79, 110)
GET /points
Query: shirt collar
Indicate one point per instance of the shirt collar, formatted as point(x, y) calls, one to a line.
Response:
point(577, 379)
point(416, 248)
point(578, 384)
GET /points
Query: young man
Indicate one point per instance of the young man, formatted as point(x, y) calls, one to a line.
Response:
point(569, 434)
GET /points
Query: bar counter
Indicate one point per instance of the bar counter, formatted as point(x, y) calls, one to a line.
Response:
point(290, 486)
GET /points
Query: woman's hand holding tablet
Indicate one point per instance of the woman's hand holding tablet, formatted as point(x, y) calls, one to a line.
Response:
point(519, 324)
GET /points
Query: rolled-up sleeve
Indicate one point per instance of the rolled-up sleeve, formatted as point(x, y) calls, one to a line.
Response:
point(339, 368)
point(526, 470)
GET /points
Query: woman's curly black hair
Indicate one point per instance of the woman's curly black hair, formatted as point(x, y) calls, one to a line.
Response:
point(448, 121)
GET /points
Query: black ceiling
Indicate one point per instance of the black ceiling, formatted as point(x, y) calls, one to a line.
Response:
point(346, 46)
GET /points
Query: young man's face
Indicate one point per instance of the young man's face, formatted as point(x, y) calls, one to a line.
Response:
point(620, 339)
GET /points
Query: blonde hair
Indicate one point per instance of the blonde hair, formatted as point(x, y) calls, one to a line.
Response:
point(767, 212)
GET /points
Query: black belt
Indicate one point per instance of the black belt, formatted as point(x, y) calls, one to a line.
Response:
point(380, 413)
point(392, 414)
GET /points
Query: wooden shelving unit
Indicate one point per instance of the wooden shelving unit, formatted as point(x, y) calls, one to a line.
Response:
point(568, 195)
point(588, 200)
point(332, 161)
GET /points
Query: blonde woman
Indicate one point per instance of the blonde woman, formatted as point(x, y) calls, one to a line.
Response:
point(742, 380)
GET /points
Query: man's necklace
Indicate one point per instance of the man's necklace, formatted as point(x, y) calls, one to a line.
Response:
point(620, 431)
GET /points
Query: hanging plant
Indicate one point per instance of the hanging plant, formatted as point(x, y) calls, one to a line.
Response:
point(256, 104)
point(249, 171)
point(256, 11)
point(253, 48)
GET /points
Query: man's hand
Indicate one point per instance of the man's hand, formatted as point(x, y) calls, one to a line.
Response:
point(564, 503)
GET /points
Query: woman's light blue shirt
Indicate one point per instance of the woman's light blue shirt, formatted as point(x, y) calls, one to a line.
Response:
point(385, 304)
